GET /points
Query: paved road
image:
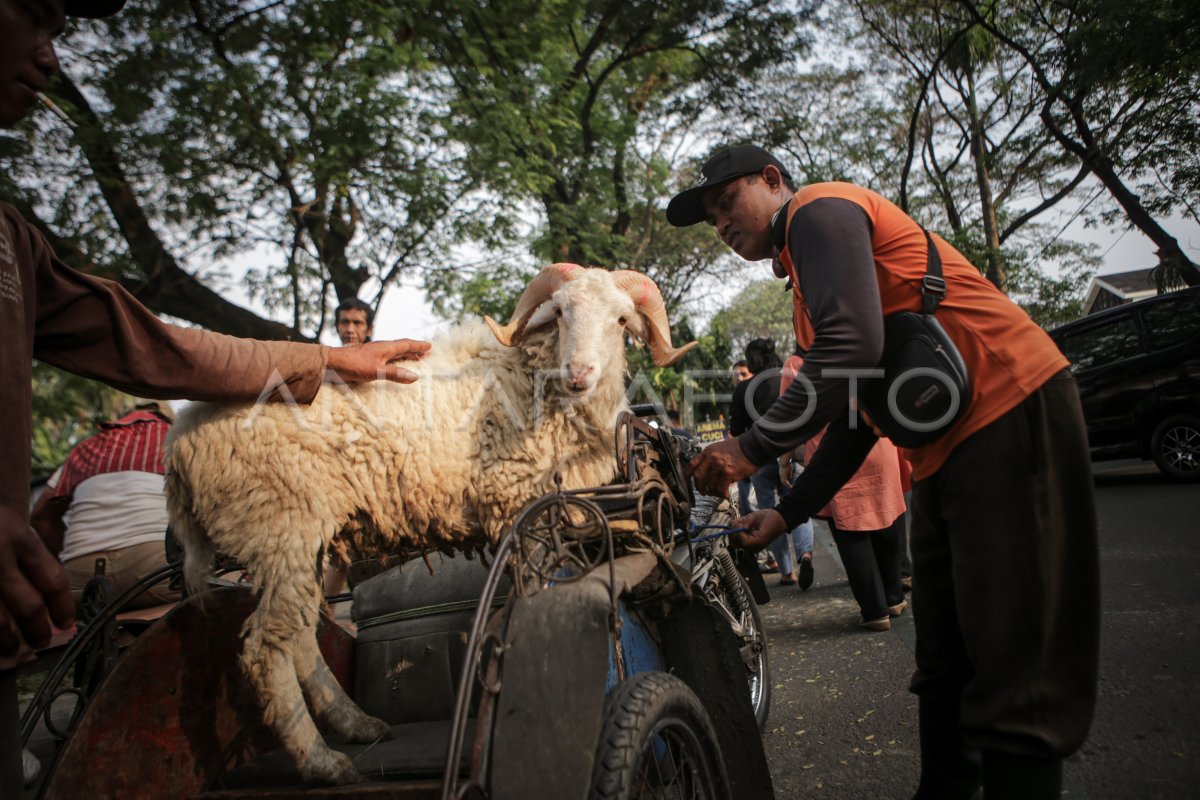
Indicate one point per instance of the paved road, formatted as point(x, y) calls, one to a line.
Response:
point(843, 724)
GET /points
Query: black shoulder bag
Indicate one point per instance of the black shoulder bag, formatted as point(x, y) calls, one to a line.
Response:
point(925, 387)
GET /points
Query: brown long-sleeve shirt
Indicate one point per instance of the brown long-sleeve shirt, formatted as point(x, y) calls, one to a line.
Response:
point(93, 327)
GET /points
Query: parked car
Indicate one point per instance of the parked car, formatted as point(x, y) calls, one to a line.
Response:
point(1138, 368)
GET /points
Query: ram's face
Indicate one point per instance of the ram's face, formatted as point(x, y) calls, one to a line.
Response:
point(592, 318)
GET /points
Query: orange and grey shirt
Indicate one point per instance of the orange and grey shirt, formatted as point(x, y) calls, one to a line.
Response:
point(852, 258)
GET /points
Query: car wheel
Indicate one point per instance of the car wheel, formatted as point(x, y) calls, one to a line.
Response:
point(1175, 447)
point(657, 742)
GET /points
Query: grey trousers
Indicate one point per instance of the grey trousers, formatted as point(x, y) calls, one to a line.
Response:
point(1006, 581)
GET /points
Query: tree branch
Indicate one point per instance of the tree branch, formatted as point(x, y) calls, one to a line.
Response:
point(165, 287)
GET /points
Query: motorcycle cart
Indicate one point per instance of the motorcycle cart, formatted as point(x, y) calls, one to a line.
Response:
point(604, 653)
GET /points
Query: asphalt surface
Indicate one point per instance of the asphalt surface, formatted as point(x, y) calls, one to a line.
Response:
point(843, 724)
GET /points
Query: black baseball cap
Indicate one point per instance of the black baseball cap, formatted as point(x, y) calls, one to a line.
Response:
point(687, 207)
point(92, 9)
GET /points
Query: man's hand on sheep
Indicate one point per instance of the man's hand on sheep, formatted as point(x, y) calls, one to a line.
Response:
point(375, 361)
point(719, 465)
point(33, 589)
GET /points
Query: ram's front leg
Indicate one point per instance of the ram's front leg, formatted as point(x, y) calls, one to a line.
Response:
point(272, 636)
point(329, 702)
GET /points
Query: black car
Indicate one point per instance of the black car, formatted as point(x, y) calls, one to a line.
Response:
point(1138, 368)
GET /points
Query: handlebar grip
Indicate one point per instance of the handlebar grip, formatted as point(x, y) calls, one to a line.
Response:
point(648, 410)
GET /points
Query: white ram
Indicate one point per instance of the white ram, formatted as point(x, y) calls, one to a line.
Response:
point(445, 463)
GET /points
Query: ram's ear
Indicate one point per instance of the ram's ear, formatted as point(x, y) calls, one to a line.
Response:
point(532, 299)
point(546, 313)
point(636, 327)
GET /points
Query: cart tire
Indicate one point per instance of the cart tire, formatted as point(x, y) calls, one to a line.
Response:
point(738, 603)
point(657, 741)
point(738, 600)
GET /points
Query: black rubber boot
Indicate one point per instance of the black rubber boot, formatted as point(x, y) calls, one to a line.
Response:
point(1007, 777)
point(950, 770)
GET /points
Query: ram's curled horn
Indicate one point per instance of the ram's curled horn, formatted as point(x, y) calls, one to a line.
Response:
point(537, 292)
point(649, 302)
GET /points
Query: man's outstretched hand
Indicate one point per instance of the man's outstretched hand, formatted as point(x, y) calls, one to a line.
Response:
point(719, 465)
point(764, 526)
point(376, 360)
point(34, 589)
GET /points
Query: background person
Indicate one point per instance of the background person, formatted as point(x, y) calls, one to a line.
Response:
point(355, 321)
point(1004, 541)
point(739, 372)
point(905, 555)
point(106, 501)
point(866, 518)
point(751, 399)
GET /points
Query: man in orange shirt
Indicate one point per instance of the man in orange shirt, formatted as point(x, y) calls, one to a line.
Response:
point(1007, 649)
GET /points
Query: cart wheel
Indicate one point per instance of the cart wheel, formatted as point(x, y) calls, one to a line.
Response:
point(754, 653)
point(733, 598)
point(657, 742)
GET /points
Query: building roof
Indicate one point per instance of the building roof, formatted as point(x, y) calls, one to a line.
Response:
point(1129, 283)
point(1121, 287)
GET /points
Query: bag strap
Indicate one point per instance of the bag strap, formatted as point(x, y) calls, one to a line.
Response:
point(933, 285)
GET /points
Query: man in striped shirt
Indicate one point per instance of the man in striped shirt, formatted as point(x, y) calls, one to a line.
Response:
point(106, 501)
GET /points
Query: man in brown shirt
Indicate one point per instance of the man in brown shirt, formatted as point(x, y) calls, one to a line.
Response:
point(94, 328)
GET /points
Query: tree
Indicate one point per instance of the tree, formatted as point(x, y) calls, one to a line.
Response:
point(575, 112)
point(762, 310)
point(209, 130)
point(67, 409)
point(343, 143)
point(921, 107)
point(973, 102)
point(573, 109)
point(1118, 92)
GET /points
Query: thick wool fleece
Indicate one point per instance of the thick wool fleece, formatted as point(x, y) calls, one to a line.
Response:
point(446, 463)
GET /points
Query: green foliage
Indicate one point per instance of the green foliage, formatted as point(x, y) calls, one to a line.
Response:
point(1050, 296)
point(67, 409)
point(1051, 300)
point(296, 132)
point(492, 289)
point(693, 386)
point(920, 74)
point(763, 310)
point(343, 143)
point(1118, 91)
point(574, 107)
point(1135, 75)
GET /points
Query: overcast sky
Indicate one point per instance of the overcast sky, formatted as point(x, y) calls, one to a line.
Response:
point(405, 314)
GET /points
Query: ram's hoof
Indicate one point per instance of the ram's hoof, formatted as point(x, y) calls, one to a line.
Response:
point(352, 725)
point(330, 767)
point(369, 729)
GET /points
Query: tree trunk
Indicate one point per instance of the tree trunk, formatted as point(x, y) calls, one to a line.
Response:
point(1171, 258)
point(164, 287)
point(994, 270)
